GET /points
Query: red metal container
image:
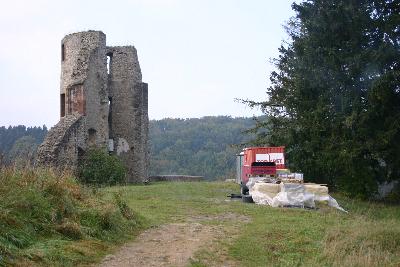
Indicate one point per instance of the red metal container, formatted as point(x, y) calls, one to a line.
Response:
point(260, 161)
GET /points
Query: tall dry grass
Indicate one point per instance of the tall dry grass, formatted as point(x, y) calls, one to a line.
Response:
point(364, 242)
point(43, 206)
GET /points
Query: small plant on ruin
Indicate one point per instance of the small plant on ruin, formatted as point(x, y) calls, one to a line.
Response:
point(98, 167)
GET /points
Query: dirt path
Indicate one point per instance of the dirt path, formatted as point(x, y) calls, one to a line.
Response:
point(169, 245)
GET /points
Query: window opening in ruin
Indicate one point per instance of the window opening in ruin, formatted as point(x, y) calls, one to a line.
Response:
point(110, 131)
point(62, 105)
point(62, 52)
point(108, 64)
point(109, 59)
point(92, 137)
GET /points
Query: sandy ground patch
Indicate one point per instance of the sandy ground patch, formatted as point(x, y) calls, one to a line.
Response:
point(168, 245)
point(171, 244)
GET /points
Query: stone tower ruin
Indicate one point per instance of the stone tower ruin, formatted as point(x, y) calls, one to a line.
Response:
point(103, 104)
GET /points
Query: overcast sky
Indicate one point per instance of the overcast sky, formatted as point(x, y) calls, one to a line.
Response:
point(196, 55)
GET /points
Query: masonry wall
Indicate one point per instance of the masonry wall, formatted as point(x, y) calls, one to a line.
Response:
point(100, 105)
point(84, 82)
point(127, 119)
point(145, 129)
point(62, 145)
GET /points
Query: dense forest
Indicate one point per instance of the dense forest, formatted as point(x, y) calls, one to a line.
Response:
point(205, 146)
point(334, 99)
point(19, 143)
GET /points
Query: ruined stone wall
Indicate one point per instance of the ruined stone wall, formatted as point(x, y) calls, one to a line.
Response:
point(84, 82)
point(145, 129)
point(129, 112)
point(99, 107)
point(62, 144)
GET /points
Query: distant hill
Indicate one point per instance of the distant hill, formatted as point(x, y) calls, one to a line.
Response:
point(8, 135)
point(204, 146)
point(20, 141)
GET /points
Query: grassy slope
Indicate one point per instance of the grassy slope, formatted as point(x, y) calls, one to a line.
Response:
point(48, 219)
point(368, 236)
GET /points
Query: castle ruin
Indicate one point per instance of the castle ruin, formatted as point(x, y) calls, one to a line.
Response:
point(103, 104)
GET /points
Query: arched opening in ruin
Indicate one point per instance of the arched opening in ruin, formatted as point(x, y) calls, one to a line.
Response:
point(62, 52)
point(109, 60)
point(92, 137)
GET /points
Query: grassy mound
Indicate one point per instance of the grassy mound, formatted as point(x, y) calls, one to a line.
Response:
point(48, 218)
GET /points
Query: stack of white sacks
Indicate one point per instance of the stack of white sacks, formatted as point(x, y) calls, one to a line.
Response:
point(289, 194)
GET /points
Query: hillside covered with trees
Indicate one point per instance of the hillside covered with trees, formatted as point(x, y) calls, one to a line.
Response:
point(19, 143)
point(205, 146)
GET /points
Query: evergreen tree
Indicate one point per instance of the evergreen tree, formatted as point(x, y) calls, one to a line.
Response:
point(334, 99)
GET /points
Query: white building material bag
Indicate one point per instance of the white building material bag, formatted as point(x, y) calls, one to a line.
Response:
point(263, 193)
point(316, 189)
point(293, 195)
point(290, 195)
point(266, 180)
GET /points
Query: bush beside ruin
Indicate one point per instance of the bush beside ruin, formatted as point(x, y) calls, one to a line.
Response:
point(99, 168)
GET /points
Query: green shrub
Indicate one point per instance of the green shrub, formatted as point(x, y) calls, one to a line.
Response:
point(97, 167)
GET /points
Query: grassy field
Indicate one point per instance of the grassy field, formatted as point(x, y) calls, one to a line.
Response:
point(51, 220)
point(253, 235)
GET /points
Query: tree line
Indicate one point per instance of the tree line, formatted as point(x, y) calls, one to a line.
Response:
point(199, 146)
point(205, 146)
point(19, 143)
